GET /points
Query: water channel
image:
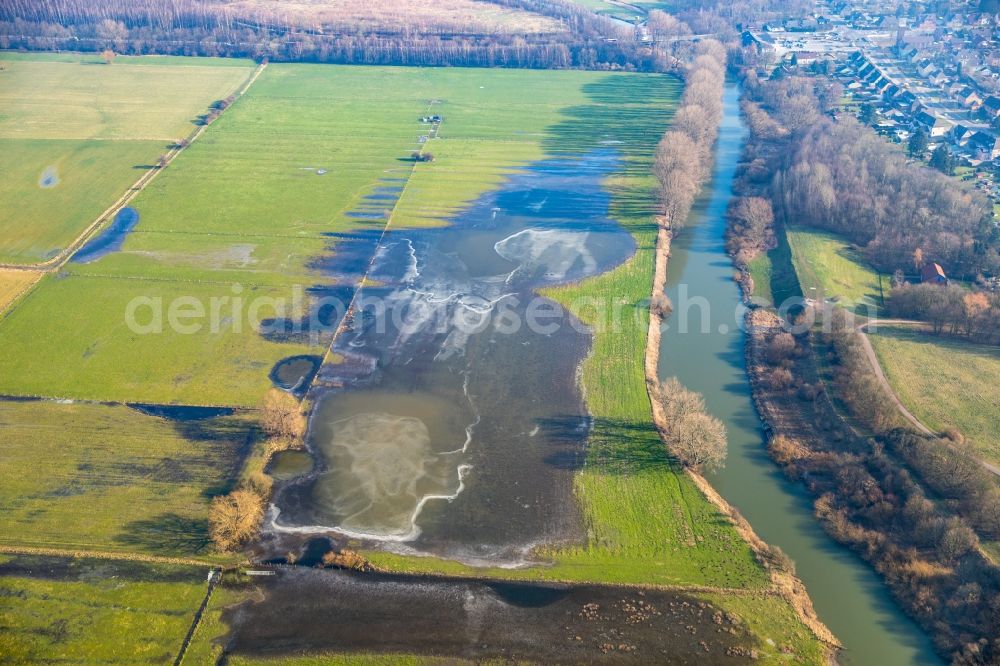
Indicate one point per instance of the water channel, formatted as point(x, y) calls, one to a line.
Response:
point(707, 355)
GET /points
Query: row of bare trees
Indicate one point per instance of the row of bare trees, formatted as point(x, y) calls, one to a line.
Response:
point(259, 30)
point(950, 309)
point(235, 519)
point(684, 156)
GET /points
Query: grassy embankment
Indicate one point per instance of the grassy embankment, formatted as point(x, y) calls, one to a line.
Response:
point(815, 264)
point(75, 134)
point(945, 382)
point(827, 267)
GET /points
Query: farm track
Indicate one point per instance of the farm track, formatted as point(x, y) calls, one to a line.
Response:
point(880, 375)
point(348, 313)
point(138, 186)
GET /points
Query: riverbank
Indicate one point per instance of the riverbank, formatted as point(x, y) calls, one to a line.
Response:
point(785, 583)
point(704, 347)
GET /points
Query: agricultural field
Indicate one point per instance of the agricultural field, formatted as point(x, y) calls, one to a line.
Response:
point(113, 479)
point(945, 382)
point(312, 143)
point(76, 133)
point(87, 611)
point(454, 16)
point(13, 283)
point(828, 267)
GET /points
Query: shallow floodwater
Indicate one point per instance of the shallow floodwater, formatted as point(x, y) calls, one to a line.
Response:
point(308, 610)
point(454, 423)
point(111, 239)
point(848, 595)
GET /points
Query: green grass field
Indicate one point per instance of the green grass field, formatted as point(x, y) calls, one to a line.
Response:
point(109, 478)
point(75, 134)
point(245, 205)
point(95, 611)
point(828, 267)
point(944, 382)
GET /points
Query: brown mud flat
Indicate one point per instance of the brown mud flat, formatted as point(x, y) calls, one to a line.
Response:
point(301, 610)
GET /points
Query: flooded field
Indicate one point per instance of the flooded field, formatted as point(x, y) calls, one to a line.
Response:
point(110, 239)
point(309, 610)
point(454, 424)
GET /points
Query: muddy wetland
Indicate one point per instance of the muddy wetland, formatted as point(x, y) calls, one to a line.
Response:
point(452, 423)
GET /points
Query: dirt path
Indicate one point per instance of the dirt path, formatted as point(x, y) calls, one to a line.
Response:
point(880, 375)
point(130, 194)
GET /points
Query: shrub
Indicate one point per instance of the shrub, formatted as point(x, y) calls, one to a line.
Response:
point(660, 305)
point(234, 519)
point(780, 379)
point(781, 348)
point(280, 416)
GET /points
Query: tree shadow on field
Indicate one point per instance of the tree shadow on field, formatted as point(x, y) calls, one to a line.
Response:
point(167, 534)
point(629, 115)
point(612, 446)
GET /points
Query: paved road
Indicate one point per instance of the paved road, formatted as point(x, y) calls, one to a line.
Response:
point(877, 367)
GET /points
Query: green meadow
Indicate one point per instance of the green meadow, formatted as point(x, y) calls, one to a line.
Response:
point(257, 201)
point(964, 376)
point(76, 133)
point(828, 267)
point(113, 479)
point(84, 611)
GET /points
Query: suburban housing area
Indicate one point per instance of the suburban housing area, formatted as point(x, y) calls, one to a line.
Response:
point(499, 331)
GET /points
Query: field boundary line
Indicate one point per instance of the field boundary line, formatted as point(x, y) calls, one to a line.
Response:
point(213, 579)
point(138, 186)
point(24, 290)
point(348, 313)
point(106, 555)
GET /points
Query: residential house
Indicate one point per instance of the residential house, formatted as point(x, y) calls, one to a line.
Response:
point(969, 98)
point(991, 105)
point(932, 273)
point(984, 146)
point(932, 124)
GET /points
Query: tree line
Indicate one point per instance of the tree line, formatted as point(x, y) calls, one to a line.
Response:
point(910, 505)
point(683, 159)
point(192, 27)
point(951, 309)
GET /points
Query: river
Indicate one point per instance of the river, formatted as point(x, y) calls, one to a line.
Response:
point(848, 595)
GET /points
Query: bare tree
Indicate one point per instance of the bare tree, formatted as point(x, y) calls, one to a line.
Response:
point(281, 416)
point(700, 441)
point(234, 519)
